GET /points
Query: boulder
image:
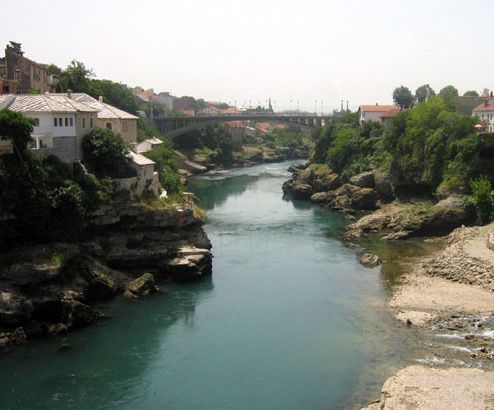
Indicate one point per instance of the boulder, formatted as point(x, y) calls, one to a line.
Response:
point(77, 314)
point(140, 287)
point(364, 199)
point(363, 180)
point(298, 189)
point(320, 197)
point(191, 263)
point(370, 260)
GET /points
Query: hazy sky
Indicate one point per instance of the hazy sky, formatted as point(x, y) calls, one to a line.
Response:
point(356, 50)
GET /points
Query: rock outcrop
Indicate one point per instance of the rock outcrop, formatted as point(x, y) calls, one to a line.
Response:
point(51, 288)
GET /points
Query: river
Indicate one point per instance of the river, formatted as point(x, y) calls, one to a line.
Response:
point(289, 320)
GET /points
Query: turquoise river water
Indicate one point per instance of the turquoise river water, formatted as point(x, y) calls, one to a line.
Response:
point(289, 320)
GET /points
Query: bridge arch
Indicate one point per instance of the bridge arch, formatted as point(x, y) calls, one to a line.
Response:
point(176, 126)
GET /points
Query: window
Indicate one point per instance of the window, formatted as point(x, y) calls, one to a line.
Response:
point(71, 121)
point(83, 123)
point(66, 122)
point(124, 126)
point(36, 122)
point(55, 122)
point(91, 122)
point(108, 125)
point(60, 122)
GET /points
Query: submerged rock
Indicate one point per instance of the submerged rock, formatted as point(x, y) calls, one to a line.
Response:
point(370, 260)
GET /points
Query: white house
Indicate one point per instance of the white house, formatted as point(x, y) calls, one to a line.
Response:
point(59, 122)
point(485, 113)
point(111, 117)
point(373, 112)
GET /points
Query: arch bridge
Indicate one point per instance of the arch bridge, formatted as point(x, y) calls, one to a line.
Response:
point(176, 126)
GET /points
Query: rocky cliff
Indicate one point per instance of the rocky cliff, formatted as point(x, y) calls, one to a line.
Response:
point(47, 289)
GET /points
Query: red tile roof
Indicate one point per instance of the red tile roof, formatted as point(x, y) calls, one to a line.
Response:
point(390, 113)
point(489, 106)
point(377, 108)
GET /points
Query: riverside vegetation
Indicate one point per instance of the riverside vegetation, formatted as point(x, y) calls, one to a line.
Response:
point(424, 175)
point(69, 239)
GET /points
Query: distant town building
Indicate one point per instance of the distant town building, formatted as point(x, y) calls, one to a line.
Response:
point(485, 113)
point(165, 99)
point(373, 112)
point(19, 74)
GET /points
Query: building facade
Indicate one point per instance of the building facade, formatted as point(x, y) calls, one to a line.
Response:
point(19, 74)
point(111, 117)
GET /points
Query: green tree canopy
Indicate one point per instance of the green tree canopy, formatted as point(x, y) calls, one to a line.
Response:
point(113, 93)
point(403, 97)
point(449, 94)
point(106, 154)
point(422, 92)
point(471, 93)
point(15, 126)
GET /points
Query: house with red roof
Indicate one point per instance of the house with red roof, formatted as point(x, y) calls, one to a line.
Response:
point(374, 112)
point(485, 113)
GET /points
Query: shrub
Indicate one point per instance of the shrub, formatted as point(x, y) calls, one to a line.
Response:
point(166, 162)
point(106, 154)
point(482, 199)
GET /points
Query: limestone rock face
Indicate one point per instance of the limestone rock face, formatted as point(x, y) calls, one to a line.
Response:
point(49, 289)
point(363, 180)
point(383, 183)
point(142, 286)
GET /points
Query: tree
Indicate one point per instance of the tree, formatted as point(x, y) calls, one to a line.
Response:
point(15, 126)
point(471, 93)
point(482, 198)
point(403, 97)
point(423, 92)
point(166, 161)
point(113, 93)
point(76, 77)
point(106, 154)
point(449, 94)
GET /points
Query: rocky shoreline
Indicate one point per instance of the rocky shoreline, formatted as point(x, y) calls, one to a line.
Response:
point(448, 295)
point(48, 289)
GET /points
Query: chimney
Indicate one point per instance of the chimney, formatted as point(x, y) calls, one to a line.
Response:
point(100, 98)
point(486, 102)
point(69, 93)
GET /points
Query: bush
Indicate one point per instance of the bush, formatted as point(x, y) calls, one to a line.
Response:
point(167, 164)
point(106, 154)
point(482, 199)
